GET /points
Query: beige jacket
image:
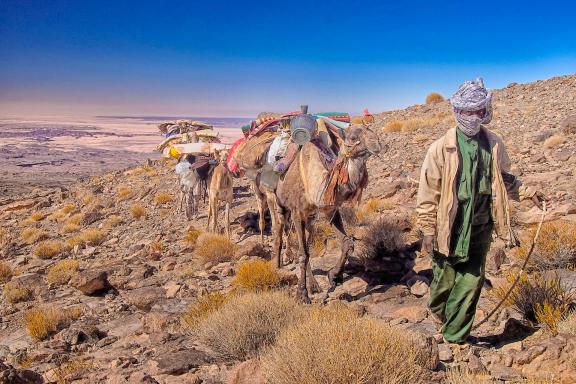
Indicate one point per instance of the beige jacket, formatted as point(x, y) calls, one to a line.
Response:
point(437, 198)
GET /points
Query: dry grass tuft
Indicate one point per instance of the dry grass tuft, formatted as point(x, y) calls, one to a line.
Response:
point(393, 126)
point(192, 235)
point(70, 228)
point(462, 376)
point(550, 314)
point(203, 307)
point(74, 241)
point(434, 97)
point(49, 248)
point(214, 248)
point(554, 141)
point(385, 237)
point(319, 237)
point(247, 323)
point(93, 236)
point(68, 208)
point(144, 170)
point(41, 323)
point(70, 369)
point(75, 219)
point(555, 249)
point(32, 235)
point(37, 216)
point(568, 323)
point(124, 193)
point(138, 211)
point(370, 207)
point(57, 216)
point(155, 250)
point(536, 296)
point(15, 294)
point(32, 219)
point(256, 275)
point(163, 198)
point(61, 272)
point(334, 345)
point(420, 138)
point(86, 198)
point(113, 221)
point(412, 125)
point(5, 272)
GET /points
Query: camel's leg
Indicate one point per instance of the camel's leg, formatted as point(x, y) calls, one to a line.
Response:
point(271, 201)
point(210, 213)
point(278, 230)
point(181, 201)
point(335, 275)
point(215, 209)
point(190, 203)
point(304, 258)
point(311, 282)
point(227, 218)
point(261, 210)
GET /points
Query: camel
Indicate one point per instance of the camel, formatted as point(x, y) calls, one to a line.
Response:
point(220, 189)
point(310, 188)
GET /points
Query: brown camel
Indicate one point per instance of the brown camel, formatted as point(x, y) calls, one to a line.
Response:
point(220, 190)
point(309, 188)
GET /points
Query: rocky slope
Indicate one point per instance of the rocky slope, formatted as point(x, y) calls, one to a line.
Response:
point(138, 271)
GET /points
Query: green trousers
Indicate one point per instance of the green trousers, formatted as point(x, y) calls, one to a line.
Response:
point(456, 287)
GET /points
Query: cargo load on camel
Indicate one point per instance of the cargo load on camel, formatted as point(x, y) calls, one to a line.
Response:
point(188, 137)
point(271, 143)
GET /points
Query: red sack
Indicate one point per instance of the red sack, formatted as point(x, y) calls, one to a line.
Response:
point(231, 162)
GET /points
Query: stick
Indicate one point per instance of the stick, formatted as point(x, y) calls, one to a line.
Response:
point(530, 251)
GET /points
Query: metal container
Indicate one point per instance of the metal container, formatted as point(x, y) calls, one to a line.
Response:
point(302, 128)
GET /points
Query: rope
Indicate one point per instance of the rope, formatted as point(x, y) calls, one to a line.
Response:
point(530, 251)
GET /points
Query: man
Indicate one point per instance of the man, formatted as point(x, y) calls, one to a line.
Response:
point(463, 195)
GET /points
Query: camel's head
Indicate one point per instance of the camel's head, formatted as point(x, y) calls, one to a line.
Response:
point(361, 141)
point(221, 155)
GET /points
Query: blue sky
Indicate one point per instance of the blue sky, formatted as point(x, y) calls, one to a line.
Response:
point(236, 58)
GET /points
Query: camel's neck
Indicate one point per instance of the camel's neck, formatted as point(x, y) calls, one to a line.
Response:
point(356, 169)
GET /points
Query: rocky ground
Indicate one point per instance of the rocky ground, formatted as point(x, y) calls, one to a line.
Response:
point(138, 272)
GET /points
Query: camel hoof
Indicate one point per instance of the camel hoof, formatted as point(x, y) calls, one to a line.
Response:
point(276, 262)
point(335, 278)
point(302, 296)
point(314, 288)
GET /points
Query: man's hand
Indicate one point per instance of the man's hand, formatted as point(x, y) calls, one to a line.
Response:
point(538, 198)
point(428, 244)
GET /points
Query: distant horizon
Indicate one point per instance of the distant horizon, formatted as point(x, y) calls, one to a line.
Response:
point(237, 59)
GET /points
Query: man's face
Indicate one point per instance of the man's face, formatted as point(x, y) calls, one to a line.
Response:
point(479, 113)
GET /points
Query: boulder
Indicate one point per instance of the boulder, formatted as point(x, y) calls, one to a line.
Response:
point(12, 375)
point(247, 372)
point(19, 205)
point(33, 282)
point(414, 313)
point(445, 353)
point(179, 362)
point(144, 298)
point(172, 288)
point(91, 282)
point(252, 248)
point(418, 285)
point(502, 372)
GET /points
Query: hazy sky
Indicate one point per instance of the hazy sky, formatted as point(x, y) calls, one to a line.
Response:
point(236, 58)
